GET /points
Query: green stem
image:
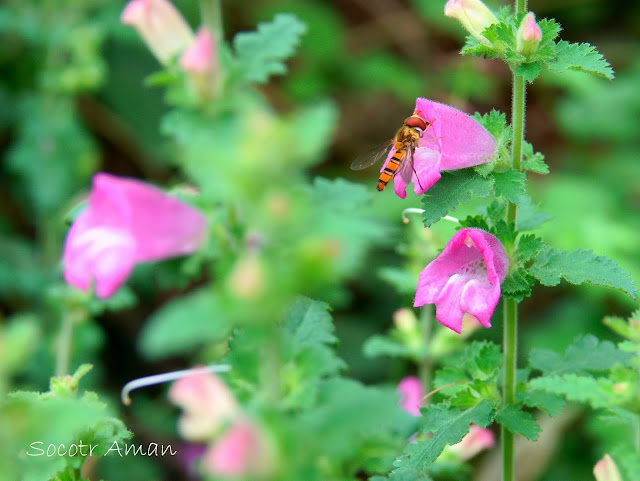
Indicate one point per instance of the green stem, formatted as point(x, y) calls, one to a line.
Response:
point(510, 339)
point(211, 12)
point(63, 344)
point(425, 367)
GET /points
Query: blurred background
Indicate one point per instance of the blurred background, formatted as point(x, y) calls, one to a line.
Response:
point(73, 101)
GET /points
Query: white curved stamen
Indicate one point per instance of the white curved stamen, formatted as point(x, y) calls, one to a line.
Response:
point(167, 377)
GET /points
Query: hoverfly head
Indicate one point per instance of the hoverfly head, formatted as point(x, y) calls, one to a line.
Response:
point(416, 122)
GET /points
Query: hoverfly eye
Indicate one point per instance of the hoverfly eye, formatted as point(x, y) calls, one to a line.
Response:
point(419, 130)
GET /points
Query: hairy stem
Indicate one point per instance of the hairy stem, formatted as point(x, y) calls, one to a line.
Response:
point(510, 339)
point(425, 368)
point(64, 343)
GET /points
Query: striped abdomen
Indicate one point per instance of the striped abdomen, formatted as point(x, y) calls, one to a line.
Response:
point(391, 168)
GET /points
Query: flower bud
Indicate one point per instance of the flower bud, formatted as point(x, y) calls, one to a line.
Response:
point(247, 279)
point(405, 320)
point(411, 392)
point(160, 25)
point(529, 35)
point(606, 470)
point(476, 440)
point(201, 63)
point(473, 15)
point(207, 403)
point(242, 452)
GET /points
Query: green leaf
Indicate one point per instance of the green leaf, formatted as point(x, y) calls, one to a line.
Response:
point(582, 57)
point(495, 122)
point(628, 461)
point(449, 426)
point(510, 184)
point(453, 189)
point(528, 246)
point(529, 215)
point(184, 324)
point(599, 393)
point(482, 359)
point(580, 266)
point(475, 222)
point(530, 71)
point(586, 354)
point(309, 323)
point(518, 421)
point(629, 328)
point(377, 346)
point(550, 403)
point(401, 279)
point(533, 161)
point(260, 54)
point(517, 284)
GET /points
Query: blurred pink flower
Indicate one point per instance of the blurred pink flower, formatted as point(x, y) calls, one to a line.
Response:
point(207, 403)
point(242, 451)
point(473, 15)
point(126, 222)
point(160, 25)
point(199, 57)
point(452, 141)
point(464, 279)
point(411, 391)
point(606, 470)
point(529, 35)
point(476, 440)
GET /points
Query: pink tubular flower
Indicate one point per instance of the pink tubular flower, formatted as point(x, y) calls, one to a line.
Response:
point(529, 35)
point(160, 25)
point(126, 222)
point(410, 389)
point(464, 279)
point(207, 405)
point(241, 452)
point(199, 57)
point(452, 141)
point(476, 440)
point(606, 470)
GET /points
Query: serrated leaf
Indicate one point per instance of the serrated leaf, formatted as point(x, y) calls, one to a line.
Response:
point(449, 426)
point(506, 233)
point(495, 122)
point(580, 266)
point(586, 354)
point(537, 165)
point(309, 323)
point(628, 461)
point(475, 222)
point(599, 393)
point(453, 189)
point(582, 57)
point(529, 215)
point(510, 184)
point(530, 71)
point(518, 421)
point(528, 246)
point(261, 54)
point(517, 284)
point(550, 403)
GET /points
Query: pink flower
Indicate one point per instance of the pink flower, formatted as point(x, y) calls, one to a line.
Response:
point(476, 440)
point(160, 25)
point(410, 389)
point(529, 35)
point(241, 452)
point(473, 15)
point(452, 141)
point(207, 404)
point(199, 57)
point(464, 279)
point(126, 222)
point(606, 470)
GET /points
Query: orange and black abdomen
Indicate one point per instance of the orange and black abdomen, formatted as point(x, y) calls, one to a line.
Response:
point(390, 169)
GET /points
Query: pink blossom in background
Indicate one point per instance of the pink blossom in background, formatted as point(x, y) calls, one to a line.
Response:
point(207, 403)
point(475, 441)
point(126, 222)
point(606, 470)
point(199, 57)
point(160, 25)
point(411, 392)
point(464, 279)
point(453, 141)
point(241, 452)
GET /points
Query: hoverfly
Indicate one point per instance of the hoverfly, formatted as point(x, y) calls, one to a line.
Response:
point(405, 142)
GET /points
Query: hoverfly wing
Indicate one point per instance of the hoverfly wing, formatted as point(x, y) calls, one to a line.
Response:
point(369, 158)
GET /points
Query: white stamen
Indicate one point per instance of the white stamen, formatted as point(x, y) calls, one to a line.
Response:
point(166, 377)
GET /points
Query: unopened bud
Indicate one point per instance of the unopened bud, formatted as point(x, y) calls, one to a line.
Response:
point(606, 470)
point(475, 441)
point(247, 279)
point(473, 15)
point(405, 319)
point(160, 25)
point(200, 61)
point(529, 35)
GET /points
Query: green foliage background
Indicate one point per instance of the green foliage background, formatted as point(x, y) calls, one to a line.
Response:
point(73, 101)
